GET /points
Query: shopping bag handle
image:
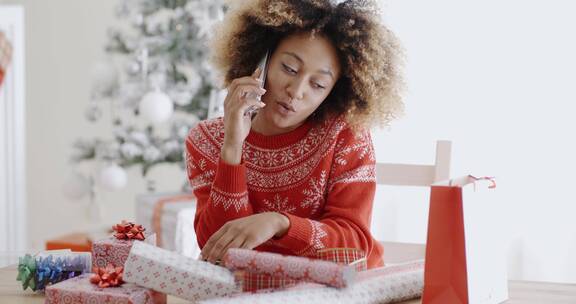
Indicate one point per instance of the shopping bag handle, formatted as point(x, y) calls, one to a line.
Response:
point(488, 178)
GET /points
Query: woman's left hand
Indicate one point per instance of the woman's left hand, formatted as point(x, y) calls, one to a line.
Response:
point(247, 232)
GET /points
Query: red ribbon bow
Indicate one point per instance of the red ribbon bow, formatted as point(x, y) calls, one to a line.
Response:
point(108, 276)
point(128, 230)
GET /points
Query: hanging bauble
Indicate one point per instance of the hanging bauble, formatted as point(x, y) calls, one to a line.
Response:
point(113, 178)
point(156, 107)
point(76, 186)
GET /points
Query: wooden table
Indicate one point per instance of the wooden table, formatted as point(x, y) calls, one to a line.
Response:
point(521, 292)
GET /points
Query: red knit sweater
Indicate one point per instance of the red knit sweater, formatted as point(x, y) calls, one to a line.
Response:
point(320, 176)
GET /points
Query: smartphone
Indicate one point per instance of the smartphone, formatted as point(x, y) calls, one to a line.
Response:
point(263, 64)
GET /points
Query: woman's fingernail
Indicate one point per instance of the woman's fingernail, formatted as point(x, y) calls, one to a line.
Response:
point(262, 104)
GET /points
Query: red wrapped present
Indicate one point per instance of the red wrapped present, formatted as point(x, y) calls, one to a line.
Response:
point(280, 272)
point(80, 290)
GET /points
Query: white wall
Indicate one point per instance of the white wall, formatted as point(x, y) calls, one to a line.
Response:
point(496, 78)
point(492, 76)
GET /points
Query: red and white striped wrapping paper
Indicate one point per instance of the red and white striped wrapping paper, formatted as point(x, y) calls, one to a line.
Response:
point(290, 267)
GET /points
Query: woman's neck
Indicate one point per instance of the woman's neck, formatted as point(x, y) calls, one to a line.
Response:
point(266, 128)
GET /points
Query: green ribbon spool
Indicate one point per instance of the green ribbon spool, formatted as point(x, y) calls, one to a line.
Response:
point(26, 272)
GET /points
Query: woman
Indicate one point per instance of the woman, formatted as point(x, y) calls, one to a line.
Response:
point(298, 176)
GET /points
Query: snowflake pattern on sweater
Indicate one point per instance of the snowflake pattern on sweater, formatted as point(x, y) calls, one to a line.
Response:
point(322, 177)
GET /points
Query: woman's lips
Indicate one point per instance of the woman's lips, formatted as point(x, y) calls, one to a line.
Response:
point(285, 107)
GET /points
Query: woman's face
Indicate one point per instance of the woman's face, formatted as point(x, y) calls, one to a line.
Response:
point(301, 73)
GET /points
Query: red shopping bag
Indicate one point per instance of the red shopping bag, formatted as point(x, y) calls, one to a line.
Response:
point(5, 55)
point(465, 249)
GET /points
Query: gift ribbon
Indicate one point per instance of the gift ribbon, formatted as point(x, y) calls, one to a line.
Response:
point(108, 276)
point(48, 271)
point(129, 231)
point(26, 272)
point(158, 210)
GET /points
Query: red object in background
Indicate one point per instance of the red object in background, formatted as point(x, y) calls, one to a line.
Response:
point(74, 242)
point(445, 276)
point(5, 55)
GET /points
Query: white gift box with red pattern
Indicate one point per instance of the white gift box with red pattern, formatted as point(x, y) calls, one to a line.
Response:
point(177, 275)
point(380, 285)
point(111, 250)
point(79, 290)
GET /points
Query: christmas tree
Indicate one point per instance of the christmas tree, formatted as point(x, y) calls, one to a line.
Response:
point(157, 84)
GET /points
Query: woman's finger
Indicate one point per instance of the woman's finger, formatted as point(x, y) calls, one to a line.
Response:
point(245, 98)
point(256, 73)
point(243, 81)
point(212, 241)
point(236, 243)
point(241, 92)
point(220, 246)
point(249, 91)
point(249, 243)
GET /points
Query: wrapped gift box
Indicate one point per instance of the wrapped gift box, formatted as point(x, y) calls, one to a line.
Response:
point(171, 217)
point(177, 275)
point(254, 280)
point(113, 251)
point(79, 290)
point(380, 285)
point(290, 267)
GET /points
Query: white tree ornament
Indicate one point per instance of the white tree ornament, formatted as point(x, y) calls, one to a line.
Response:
point(113, 178)
point(156, 107)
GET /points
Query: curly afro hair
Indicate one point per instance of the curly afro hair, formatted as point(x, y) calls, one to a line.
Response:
point(368, 92)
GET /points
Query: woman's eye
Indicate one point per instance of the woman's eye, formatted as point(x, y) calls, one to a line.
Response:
point(289, 69)
point(317, 86)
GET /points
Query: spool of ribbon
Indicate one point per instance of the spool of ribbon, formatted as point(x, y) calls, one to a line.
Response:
point(48, 271)
point(26, 272)
point(129, 231)
point(37, 272)
point(108, 276)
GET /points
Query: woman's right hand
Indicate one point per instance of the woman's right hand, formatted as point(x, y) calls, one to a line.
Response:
point(242, 94)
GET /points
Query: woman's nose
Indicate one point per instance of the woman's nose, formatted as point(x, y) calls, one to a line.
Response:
point(296, 89)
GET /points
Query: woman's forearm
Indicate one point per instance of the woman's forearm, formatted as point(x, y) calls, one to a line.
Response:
point(231, 154)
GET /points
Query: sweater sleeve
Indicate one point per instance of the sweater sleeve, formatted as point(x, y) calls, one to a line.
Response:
point(221, 190)
point(345, 218)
